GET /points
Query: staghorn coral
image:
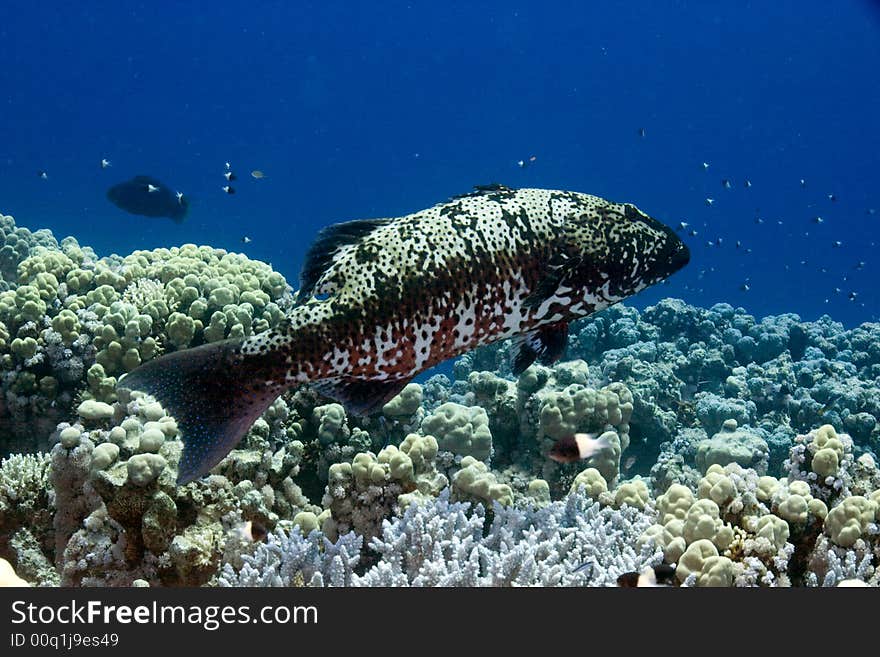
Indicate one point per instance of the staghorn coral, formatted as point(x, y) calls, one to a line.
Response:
point(443, 543)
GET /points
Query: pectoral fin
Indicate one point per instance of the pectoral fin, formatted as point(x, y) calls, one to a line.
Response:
point(546, 344)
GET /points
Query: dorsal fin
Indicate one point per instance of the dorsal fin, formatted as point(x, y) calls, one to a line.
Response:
point(482, 190)
point(146, 180)
point(320, 255)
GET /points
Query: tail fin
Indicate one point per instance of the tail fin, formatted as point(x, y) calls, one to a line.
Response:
point(214, 392)
point(603, 442)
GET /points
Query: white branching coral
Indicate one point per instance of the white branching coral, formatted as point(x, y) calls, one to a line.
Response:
point(575, 542)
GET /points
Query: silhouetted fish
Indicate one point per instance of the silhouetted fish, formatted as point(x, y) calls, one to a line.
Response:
point(147, 196)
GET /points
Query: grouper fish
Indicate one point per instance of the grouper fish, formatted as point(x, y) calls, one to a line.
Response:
point(384, 299)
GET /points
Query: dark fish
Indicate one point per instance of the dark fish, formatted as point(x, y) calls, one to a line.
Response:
point(148, 197)
point(403, 294)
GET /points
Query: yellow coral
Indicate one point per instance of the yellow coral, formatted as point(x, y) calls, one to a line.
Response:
point(592, 481)
point(846, 522)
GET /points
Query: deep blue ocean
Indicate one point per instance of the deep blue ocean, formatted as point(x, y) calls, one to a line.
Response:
point(357, 109)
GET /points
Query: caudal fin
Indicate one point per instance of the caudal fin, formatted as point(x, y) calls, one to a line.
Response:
point(214, 392)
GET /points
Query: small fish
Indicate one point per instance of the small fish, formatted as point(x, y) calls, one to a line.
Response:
point(660, 575)
point(818, 220)
point(705, 165)
point(710, 201)
point(228, 166)
point(179, 196)
point(105, 163)
point(643, 133)
point(837, 244)
point(832, 198)
point(726, 184)
point(228, 189)
point(152, 188)
point(229, 176)
point(516, 263)
point(578, 447)
point(745, 287)
point(584, 566)
point(256, 174)
point(853, 296)
point(43, 175)
point(738, 244)
point(803, 183)
point(250, 531)
point(693, 232)
point(246, 239)
point(719, 242)
point(682, 225)
point(747, 184)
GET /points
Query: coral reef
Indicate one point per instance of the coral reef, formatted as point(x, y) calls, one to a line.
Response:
point(443, 543)
point(72, 323)
point(742, 452)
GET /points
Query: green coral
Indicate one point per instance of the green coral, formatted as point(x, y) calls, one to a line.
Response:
point(463, 430)
point(72, 312)
point(474, 481)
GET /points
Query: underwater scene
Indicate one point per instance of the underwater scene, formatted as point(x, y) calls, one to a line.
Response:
point(408, 294)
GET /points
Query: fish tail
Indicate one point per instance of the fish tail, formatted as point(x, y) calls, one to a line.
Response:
point(603, 442)
point(215, 393)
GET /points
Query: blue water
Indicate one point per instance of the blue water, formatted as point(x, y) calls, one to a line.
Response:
point(362, 109)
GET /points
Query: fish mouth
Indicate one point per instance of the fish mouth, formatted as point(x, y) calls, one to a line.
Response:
point(680, 256)
point(674, 254)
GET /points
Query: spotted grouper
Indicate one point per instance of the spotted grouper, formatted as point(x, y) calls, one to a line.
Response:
point(384, 299)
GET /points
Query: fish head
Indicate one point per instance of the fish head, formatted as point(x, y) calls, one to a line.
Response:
point(565, 450)
point(619, 250)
